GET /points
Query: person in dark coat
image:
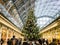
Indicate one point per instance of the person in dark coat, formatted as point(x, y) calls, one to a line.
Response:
point(53, 42)
point(9, 42)
point(25, 43)
point(19, 41)
point(14, 41)
point(40, 41)
point(2, 41)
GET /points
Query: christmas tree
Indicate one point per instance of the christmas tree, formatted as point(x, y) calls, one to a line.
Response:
point(31, 29)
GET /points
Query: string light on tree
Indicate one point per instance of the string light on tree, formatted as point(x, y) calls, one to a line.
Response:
point(30, 27)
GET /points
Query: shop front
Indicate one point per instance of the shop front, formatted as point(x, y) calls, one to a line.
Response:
point(52, 31)
point(7, 29)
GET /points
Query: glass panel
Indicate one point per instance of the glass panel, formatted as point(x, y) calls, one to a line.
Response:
point(47, 11)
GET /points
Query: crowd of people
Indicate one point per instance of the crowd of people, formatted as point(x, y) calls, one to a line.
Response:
point(15, 41)
point(12, 41)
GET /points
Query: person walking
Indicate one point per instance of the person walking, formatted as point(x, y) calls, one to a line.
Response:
point(9, 42)
point(2, 41)
point(19, 41)
point(14, 41)
point(53, 42)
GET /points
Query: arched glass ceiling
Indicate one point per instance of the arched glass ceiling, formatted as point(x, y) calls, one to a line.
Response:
point(42, 22)
point(46, 11)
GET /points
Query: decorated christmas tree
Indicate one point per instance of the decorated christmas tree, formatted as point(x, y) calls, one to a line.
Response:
point(31, 29)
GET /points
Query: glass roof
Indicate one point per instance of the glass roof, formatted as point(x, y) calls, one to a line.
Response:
point(46, 11)
point(7, 14)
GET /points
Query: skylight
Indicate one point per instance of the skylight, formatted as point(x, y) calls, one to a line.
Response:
point(46, 11)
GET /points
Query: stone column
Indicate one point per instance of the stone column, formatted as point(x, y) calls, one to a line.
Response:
point(7, 35)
